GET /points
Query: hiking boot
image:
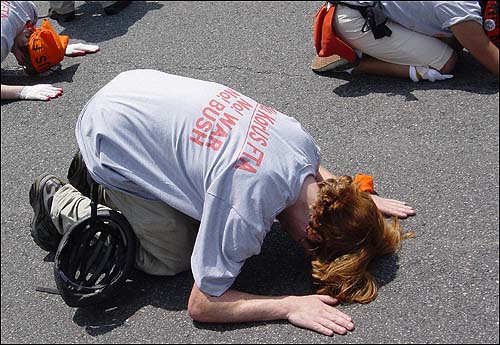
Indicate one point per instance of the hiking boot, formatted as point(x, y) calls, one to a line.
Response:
point(41, 194)
point(116, 7)
point(78, 175)
point(67, 17)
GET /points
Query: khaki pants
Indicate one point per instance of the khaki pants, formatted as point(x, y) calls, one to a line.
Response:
point(166, 236)
point(403, 47)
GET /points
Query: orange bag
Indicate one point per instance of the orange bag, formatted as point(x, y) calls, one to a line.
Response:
point(46, 48)
point(329, 47)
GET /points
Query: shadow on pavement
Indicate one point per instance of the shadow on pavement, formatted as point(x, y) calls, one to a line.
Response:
point(92, 25)
point(282, 268)
point(18, 77)
point(469, 76)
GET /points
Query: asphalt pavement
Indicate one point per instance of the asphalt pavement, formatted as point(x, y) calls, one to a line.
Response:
point(433, 145)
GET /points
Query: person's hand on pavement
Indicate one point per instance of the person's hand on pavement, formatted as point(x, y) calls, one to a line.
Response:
point(40, 92)
point(391, 207)
point(424, 73)
point(79, 49)
point(316, 312)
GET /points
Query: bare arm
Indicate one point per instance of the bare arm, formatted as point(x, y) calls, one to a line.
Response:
point(323, 174)
point(314, 312)
point(39, 92)
point(472, 37)
point(11, 91)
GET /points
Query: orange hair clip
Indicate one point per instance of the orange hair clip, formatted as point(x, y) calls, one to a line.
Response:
point(365, 182)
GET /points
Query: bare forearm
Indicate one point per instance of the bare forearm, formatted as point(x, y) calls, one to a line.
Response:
point(314, 312)
point(11, 91)
point(471, 35)
point(235, 306)
point(323, 174)
point(488, 57)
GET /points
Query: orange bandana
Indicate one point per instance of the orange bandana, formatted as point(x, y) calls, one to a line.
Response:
point(365, 183)
point(46, 48)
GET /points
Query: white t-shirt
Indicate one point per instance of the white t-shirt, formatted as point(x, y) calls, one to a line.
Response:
point(205, 149)
point(431, 18)
point(15, 14)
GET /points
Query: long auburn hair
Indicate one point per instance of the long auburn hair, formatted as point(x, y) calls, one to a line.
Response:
point(349, 231)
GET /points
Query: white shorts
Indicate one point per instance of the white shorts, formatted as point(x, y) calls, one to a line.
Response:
point(403, 47)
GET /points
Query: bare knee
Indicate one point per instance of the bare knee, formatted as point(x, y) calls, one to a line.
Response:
point(450, 64)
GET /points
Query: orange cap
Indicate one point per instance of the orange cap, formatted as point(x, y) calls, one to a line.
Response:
point(365, 183)
point(46, 48)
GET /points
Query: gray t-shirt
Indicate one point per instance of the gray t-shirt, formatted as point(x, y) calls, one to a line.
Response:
point(204, 149)
point(15, 14)
point(432, 18)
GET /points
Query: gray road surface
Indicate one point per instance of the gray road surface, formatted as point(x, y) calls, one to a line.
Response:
point(432, 145)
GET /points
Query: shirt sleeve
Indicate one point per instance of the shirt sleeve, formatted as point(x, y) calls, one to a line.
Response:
point(225, 240)
point(453, 12)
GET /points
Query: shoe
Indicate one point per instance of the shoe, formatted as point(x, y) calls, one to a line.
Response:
point(333, 63)
point(41, 195)
point(78, 176)
point(67, 17)
point(116, 7)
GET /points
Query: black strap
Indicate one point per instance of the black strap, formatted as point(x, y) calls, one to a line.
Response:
point(375, 18)
point(47, 290)
point(94, 199)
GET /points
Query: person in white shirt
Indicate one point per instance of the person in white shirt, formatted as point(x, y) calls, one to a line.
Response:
point(424, 38)
point(201, 172)
point(18, 19)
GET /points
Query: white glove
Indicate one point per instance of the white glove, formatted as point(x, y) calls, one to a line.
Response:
point(79, 49)
point(40, 92)
point(424, 73)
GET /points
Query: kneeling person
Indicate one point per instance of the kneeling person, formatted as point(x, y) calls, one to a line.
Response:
point(201, 171)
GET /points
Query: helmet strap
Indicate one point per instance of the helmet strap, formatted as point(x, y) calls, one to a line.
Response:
point(94, 197)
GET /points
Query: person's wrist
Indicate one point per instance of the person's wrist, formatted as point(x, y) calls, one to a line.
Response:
point(21, 94)
point(420, 71)
point(284, 311)
point(415, 75)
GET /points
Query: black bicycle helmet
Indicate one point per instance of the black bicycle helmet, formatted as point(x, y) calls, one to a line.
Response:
point(94, 258)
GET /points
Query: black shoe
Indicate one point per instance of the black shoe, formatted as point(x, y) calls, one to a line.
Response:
point(78, 176)
point(67, 17)
point(116, 7)
point(43, 231)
